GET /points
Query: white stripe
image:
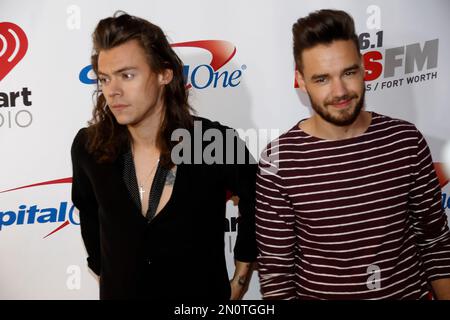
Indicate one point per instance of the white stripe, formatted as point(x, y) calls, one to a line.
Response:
point(357, 292)
point(356, 258)
point(277, 143)
point(267, 188)
point(363, 150)
point(355, 231)
point(353, 275)
point(261, 250)
point(349, 250)
point(16, 49)
point(270, 220)
point(274, 198)
point(382, 164)
point(349, 241)
point(349, 188)
point(347, 162)
point(359, 195)
point(268, 212)
point(5, 45)
point(353, 214)
point(348, 206)
point(348, 215)
point(272, 229)
point(276, 238)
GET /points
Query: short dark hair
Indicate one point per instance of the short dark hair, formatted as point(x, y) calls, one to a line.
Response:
point(106, 137)
point(322, 27)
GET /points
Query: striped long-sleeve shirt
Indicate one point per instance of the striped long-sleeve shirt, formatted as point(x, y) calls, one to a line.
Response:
point(358, 218)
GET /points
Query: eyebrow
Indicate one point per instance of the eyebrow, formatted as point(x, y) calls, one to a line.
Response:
point(119, 71)
point(353, 67)
point(324, 75)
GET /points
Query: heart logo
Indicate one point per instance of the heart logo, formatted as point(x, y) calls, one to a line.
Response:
point(13, 46)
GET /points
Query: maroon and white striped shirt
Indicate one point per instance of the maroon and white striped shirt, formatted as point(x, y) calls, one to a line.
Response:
point(358, 218)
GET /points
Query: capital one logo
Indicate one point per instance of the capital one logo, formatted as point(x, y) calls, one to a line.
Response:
point(203, 75)
point(444, 179)
point(221, 52)
point(13, 46)
point(62, 213)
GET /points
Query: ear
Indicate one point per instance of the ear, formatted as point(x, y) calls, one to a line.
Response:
point(165, 77)
point(300, 80)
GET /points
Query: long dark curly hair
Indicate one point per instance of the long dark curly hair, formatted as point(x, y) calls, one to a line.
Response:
point(106, 137)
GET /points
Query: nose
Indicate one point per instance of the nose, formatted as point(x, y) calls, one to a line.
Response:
point(114, 88)
point(339, 88)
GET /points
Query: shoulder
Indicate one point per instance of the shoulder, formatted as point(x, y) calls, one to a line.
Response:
point(79, 143)
point(214, 136)
point(294, 138)
point(209, 124)
point(398, 131)
point(382, 120)
point(275, 154)
point(391, 125)
point(209, 128)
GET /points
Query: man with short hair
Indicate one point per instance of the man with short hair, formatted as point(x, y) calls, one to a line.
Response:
point(348, 202)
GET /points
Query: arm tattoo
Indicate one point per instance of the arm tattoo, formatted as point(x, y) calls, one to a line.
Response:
point(242, 281)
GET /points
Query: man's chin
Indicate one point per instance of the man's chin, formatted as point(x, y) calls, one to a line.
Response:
point(123, 121)
point(344, 122)
point(340, 119)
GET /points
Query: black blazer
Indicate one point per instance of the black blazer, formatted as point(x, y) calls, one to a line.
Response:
point(179, 255)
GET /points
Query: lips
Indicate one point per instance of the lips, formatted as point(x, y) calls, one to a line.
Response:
point(119, 106)
point(341, 104)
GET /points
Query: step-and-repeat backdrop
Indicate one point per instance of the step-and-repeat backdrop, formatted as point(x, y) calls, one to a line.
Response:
point(46, 86)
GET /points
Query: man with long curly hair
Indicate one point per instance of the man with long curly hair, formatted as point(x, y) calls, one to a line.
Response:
point(153, 228)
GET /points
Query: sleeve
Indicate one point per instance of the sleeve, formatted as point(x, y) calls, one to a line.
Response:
point(240, 179)
point(275, 234)
point(429, 219)
point(84, 200)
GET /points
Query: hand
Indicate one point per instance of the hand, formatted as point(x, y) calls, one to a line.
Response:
point(239, 286)
point(441, 288)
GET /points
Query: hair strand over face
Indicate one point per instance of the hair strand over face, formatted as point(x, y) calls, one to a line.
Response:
point(106, 137)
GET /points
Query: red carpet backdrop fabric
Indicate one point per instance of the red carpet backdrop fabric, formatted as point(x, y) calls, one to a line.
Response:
point(240, 71)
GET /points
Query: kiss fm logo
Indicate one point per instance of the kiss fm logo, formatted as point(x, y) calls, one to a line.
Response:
point(199, 76)
point(63, 213)
point(406, 64)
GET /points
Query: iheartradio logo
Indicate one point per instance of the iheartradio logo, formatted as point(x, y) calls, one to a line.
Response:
point(13, 46)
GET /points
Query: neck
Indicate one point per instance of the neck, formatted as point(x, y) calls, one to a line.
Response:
point(325, 130)
point(145, 133)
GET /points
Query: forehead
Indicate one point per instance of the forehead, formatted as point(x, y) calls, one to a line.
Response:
point(127, 54)
point(329, 58)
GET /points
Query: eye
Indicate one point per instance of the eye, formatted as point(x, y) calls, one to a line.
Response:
point(350, 73)
point(320, 80)
point(127, 76)
point(102, 80)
